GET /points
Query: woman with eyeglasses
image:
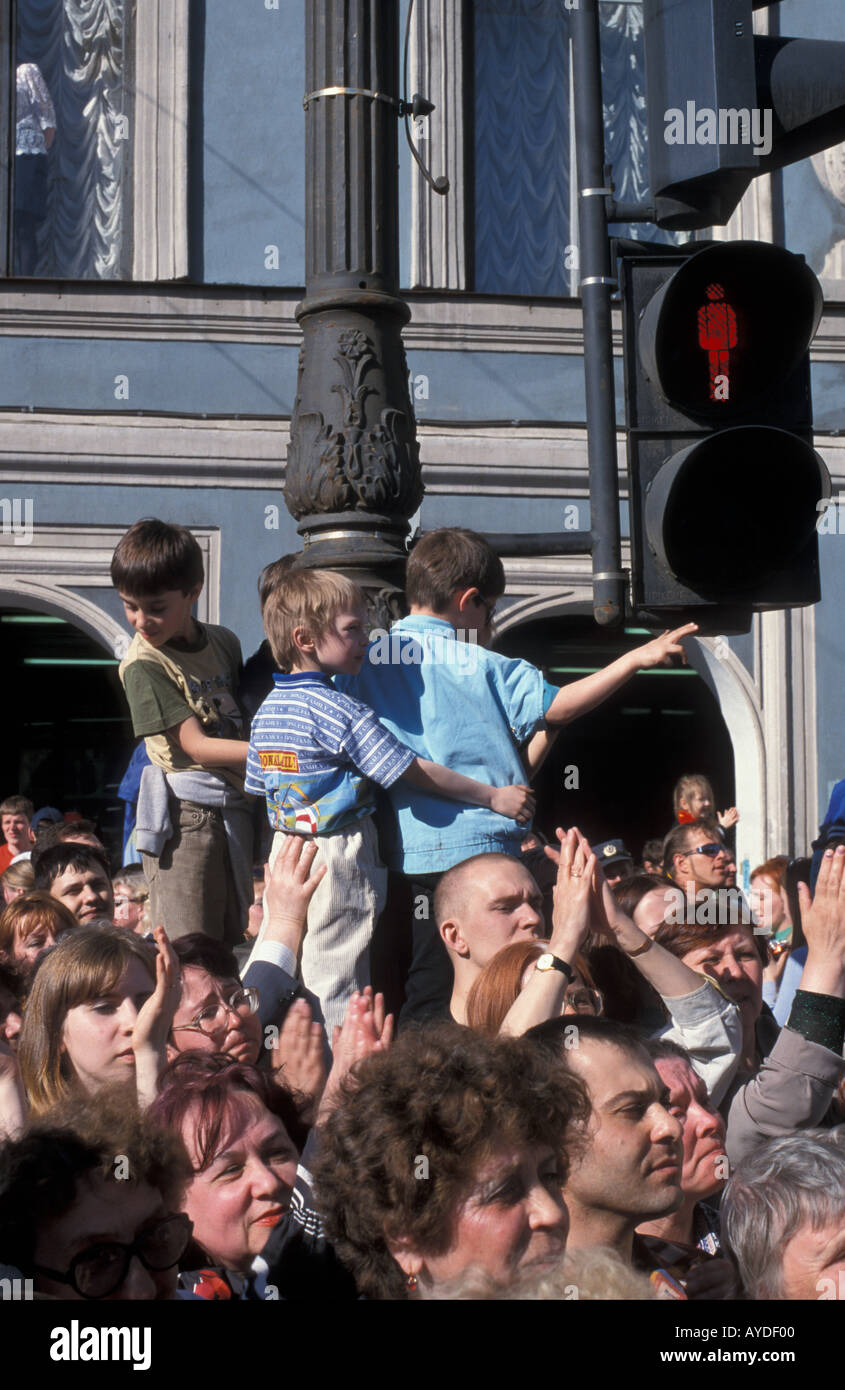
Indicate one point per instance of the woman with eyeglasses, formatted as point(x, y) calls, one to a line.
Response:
point(99, 1011)
point(215, 1013)
point(83, 1224)
point(243, 1136)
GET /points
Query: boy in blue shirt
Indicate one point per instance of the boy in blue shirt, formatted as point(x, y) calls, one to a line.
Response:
point(315, 755)
point(472, 709)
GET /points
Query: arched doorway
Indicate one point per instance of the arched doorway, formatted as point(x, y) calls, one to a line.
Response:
point(69, 738)
point(613, 770)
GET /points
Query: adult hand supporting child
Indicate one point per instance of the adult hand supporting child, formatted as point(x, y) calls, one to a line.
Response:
point(290, 888)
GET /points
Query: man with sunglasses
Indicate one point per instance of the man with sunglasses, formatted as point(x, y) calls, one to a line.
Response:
point(696, 857)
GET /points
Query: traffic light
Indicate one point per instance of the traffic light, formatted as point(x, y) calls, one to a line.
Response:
point(723, 105)
point(724, 483)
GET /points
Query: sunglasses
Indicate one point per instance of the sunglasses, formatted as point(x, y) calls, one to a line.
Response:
point(711, 850)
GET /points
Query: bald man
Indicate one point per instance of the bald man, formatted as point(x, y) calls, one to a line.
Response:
point(480, 906)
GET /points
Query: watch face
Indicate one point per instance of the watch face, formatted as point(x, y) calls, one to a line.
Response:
point(545, 962)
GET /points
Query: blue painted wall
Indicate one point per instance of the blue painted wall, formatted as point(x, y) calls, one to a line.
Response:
point(195, 378)
point(253, 141)
point(184, 378)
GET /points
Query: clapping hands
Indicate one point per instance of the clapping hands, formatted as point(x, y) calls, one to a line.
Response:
point(366, 1030)
point(574, 893)
point(299, 1055)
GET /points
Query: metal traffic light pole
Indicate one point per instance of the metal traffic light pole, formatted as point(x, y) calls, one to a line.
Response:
point(596, 286)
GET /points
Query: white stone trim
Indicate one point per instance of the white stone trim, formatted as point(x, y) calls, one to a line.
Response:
point(39, 597)
point(152, 451)
point(435, 70)
point(108, 310)
point(160, 141)
point(163, 451)
point(739, 702)
point(439, 323)
point(805, 792)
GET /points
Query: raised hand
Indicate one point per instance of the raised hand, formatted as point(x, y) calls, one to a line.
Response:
point(299, 1056)
point(659, 651)
point(291, 884)
point(573, 892)
point(366, 1030)
point(517, 803)
point(155, 1019)
point(728, 818)
point(823, 920)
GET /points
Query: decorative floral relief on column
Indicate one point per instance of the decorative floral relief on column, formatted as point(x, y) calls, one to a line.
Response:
point(348, 465)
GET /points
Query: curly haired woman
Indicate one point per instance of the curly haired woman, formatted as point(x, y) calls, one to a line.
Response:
point(447, 1153)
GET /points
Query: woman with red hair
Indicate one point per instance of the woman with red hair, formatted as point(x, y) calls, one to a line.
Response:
point(243, 1136)
point(501, 981)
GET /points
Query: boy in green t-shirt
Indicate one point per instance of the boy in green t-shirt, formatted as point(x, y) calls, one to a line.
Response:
point(179, 675)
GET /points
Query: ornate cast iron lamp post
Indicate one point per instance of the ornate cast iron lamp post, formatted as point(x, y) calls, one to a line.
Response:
point(353, 473)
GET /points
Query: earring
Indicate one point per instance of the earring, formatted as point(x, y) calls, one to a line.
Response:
point(411, 1282)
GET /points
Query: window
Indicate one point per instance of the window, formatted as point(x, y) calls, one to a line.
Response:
point(99, 123)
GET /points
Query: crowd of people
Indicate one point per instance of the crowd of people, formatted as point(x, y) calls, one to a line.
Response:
point(352, 1028)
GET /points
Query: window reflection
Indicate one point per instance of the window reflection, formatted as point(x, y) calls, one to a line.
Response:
point(72, 127)
point(35, 127)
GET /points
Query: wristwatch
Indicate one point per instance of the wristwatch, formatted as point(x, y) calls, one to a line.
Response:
point(549, 962)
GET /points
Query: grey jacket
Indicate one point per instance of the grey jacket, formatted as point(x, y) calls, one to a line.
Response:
point(792, 1090)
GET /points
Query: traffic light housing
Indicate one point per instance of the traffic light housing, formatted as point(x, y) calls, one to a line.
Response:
point(724, 482)
point(724, 104)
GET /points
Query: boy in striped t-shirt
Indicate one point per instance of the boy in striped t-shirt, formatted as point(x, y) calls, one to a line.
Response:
point(315, 755)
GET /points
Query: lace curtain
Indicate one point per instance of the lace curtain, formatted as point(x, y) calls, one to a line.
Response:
point(81, 48)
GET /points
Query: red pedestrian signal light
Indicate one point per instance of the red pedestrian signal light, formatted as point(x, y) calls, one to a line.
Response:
point(724, 479)
point(729, 322)
point(718, 336)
